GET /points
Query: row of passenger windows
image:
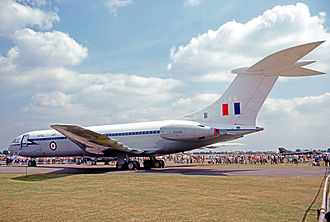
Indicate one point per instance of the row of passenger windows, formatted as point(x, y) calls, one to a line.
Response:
point(133, 133)
point(52, 138)
point(109, 134)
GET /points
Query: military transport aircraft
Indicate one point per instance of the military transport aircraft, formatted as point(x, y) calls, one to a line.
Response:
point(284, 151)
point(231, 117)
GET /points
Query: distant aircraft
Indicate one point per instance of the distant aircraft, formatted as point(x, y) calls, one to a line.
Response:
point(231, 117)
point(284, 151)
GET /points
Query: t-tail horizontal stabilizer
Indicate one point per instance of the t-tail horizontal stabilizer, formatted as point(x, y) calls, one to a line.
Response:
point(283, 63)
point(241, 102)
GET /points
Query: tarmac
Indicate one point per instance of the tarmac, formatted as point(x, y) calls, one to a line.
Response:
point(178, 170)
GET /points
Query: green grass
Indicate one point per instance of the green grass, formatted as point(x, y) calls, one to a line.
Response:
point(133, 197)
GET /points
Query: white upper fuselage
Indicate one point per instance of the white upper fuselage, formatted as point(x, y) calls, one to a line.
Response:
point(156, 137)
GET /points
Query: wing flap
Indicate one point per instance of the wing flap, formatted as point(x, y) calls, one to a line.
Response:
point(91, 141)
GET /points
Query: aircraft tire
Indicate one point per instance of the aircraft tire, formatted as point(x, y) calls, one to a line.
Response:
point(137, 164)
point(162, 163)
point(121, 166)
point(131, 165)
point(32, 163)
point(157, 164)
point(147, 164)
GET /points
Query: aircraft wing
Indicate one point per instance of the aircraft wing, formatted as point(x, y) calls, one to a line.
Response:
point(91, 141)
point(217, 145)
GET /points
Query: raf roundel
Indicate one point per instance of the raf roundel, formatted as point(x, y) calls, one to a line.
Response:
point(52, 145)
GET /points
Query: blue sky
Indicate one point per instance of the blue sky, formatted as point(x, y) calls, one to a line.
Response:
point(114, 61)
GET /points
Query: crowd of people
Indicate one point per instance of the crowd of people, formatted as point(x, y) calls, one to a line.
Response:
point(17, 160)
point(314, 160)
point(310, 159)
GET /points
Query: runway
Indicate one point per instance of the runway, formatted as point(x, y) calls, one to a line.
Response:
point(178, 170)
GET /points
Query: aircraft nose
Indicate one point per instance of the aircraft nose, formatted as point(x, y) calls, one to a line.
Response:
point(13, 149)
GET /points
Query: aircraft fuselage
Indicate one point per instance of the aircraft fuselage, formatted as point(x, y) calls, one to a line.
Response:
point(154, 138)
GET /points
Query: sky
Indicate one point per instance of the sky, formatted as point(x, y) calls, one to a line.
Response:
point(119, 61)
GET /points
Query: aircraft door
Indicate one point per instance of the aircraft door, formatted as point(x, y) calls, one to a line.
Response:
point(24, 141)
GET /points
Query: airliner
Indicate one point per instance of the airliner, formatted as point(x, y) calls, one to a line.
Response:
point(230, 117)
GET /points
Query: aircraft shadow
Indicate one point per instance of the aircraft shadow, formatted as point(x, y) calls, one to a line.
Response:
point(37, 173)
point(195, 171)
point(39, 177)
point(209, 171)
point(58, 172)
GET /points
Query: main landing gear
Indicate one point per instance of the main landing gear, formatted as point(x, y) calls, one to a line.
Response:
point(130, 165)
point(153, 163)
point(124, 163)
point(32, 163)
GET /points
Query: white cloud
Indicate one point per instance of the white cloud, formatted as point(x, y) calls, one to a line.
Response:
point(114, 5)
point(298, 107)
point(108, 98)
point(211, 56)
point(69, 114)
point(34, 49)
point(164, 110)
point(120, 90)
point(52, 99)
point(33, 3)
point(192, 2)
point(40, 79)
point(99, 98)
point(300, 122)
point(191, 104)
point(6, 66)
point(15, 16)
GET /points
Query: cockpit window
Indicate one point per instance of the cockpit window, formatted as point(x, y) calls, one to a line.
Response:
point(17, 140)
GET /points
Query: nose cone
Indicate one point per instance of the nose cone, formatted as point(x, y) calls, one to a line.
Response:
point(13, 149)
point(15, 146)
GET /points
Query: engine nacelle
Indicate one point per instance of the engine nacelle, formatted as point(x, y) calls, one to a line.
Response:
point(186, 131)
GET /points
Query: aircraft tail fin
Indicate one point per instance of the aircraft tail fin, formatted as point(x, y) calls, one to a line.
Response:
point(283, 151)
point(241, 102)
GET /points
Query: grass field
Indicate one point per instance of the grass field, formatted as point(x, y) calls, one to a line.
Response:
point(132, 197)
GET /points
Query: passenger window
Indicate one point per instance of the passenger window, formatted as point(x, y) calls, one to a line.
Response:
point(205, 115)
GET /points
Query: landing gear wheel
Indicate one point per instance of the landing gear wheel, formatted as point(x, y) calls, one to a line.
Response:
point(106, 162)
point(131, 165)
point(121, 166)
point(162, 163)
point(157, 164)
point(32, 163)
point(147, 164)
point(137, 164)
